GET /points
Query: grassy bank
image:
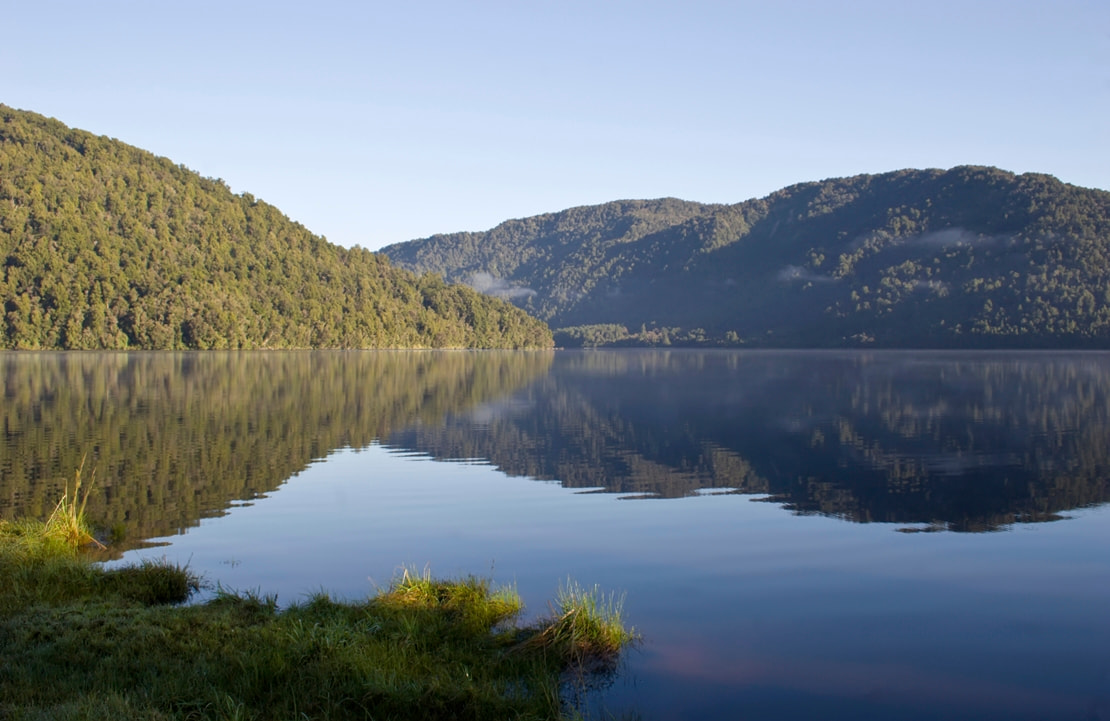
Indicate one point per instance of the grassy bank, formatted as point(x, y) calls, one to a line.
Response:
point(80, 642)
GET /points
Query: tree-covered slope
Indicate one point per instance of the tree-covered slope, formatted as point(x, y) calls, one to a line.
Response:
point(103, 245)
point(968, 257)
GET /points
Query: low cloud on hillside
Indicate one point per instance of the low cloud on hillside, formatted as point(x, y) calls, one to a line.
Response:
point(497, 287)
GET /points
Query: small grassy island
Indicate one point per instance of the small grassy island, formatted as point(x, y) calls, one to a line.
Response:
point(82, 642)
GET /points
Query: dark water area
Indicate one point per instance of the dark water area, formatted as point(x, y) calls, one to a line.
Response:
point(960, 442)
point(912, 535)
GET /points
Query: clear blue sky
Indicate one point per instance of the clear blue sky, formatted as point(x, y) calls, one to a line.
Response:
point(378, 122)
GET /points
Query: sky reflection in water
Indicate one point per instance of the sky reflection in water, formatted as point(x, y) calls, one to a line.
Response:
point(750, 608)
point(743, 606)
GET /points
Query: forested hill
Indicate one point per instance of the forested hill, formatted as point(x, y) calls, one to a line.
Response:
point(969, 257)
point(103, 245)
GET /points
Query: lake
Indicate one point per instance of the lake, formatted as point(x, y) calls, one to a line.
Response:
point(797, 535)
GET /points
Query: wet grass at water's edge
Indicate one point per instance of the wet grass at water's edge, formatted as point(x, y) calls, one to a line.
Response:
point(82, 642)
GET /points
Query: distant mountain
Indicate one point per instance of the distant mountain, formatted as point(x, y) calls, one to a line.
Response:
point(964, 258)
point(103, 245)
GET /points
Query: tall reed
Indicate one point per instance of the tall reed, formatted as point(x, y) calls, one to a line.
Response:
point(67, 523)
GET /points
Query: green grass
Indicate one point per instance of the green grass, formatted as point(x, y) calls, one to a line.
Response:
point(586, 630)
point(67, 524)
point(63, 533)
point(79, 642)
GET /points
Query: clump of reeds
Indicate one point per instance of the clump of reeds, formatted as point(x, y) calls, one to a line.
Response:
point(41, 564)
point(63, 533)
point(67, 523)
point(586, 630)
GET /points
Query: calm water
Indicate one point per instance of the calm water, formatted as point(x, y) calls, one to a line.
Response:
point(798, 535)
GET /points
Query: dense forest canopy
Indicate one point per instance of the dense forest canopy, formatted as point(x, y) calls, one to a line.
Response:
point(962, 258)
point(106, 246)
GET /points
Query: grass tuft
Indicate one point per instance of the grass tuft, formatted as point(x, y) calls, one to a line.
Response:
point(465, 608)
point(586, 630)
point(151, 583)
point(62, 534)
point(67, 524)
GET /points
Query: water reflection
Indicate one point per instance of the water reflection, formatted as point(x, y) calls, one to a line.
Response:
point(747, 612)
point(966, 442)
point(175, 437)
point(931, 441)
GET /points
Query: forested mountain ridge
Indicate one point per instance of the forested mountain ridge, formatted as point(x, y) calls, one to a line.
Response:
point(104, 245)
point(966, 257)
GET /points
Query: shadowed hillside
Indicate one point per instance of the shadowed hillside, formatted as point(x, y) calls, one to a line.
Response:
point(964, 258)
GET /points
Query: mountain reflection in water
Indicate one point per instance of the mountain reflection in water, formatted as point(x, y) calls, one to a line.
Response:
point(747, 612)
point(176, 437)
point(965, 442)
